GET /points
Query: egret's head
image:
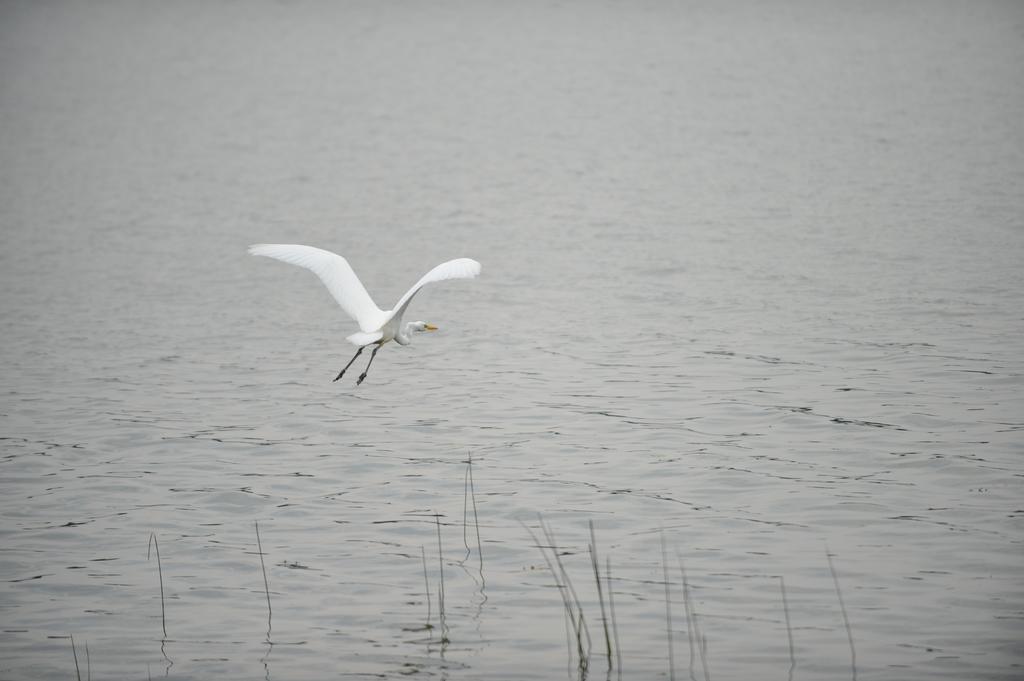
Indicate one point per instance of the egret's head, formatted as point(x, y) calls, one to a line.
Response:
point(423, 326)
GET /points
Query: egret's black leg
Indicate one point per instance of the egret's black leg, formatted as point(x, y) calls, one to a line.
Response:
point(342, 372)
point(363, 375)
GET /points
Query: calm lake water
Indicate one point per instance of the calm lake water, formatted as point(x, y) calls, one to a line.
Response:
point(752, 284)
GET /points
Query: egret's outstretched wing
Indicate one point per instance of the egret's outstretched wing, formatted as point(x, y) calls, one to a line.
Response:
point(337, 276)
point(460, 268)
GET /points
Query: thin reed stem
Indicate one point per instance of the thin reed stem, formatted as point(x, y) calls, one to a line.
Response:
point(465, 510)
point(668, 611)
point(583, 657)
point(692, 622)
point(426, 585)
point(476, 518)
point(266, 583)
point(789, 628)
point(160, 571)
point(842, 608)
point(440, 563)
point(704, 653)
point(78, 672)
point(611, 608)
point(600, 593)
point(569, 628)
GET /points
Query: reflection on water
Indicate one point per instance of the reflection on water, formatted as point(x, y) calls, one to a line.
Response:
point(751, 284)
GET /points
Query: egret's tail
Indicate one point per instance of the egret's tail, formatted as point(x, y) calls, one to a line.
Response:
point(360, 338)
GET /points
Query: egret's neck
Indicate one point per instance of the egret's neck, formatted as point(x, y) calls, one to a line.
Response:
point(404, 335)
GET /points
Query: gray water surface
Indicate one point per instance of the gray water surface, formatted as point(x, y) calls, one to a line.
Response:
point(752, 282)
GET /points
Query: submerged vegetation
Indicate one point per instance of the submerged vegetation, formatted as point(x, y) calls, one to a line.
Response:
point(585, 650)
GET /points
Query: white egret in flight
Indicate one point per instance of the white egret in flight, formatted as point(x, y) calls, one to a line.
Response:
point(376, 326)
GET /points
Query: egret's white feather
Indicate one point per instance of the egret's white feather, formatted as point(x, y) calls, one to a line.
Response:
point(336, 274)
point(361, 338)
point(460, 268)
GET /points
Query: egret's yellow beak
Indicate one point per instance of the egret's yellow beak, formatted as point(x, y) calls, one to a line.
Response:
point(430, 327)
